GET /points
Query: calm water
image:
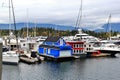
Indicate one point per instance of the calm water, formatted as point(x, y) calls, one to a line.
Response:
point(85, 69)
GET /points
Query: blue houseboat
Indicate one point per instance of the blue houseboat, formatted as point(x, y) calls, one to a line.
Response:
point(55, 47)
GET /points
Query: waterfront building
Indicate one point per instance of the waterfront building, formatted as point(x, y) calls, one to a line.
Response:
point(55, 47)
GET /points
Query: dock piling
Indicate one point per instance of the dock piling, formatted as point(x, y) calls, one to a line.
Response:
point(0, 61)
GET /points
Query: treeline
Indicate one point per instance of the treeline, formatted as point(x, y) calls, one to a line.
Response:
point(102, 35)
point(42, 32)
point(38, 32)
point(52, 32)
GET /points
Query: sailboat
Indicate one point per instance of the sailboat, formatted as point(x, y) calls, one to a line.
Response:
point(8, 55)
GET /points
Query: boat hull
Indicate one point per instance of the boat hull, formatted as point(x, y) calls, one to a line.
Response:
point(10, 57)
point(109, 51)
point(10, 60)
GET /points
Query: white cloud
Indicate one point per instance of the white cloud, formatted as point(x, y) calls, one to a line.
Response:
point(95, 12)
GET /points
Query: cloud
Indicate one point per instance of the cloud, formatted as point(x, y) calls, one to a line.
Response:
point(63, 12)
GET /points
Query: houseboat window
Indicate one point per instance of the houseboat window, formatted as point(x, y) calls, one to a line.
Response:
point(45, 50)
point(48, 51)
point(61, 41)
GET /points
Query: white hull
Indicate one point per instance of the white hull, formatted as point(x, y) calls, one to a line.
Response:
point(108, 48)
point(10, 57)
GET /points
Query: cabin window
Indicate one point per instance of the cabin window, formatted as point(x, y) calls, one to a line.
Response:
point(23, 44)
point(89, 45)
point(77, 51)
point(84, 45)
point(74, 45)
point(87, 49)
point(81, 50)
point(79, 45)
point(74, 51)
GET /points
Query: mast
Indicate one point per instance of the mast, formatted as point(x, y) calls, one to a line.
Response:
point(35, 30)
point(109, 26)
point(9, 17)
point(78, 22)
point(27, 25)
point(14, 21)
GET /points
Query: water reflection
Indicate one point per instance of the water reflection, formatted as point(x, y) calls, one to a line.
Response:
point(83, 69)
point(10, 72)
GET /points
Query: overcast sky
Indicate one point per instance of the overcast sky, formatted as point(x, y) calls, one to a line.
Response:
point(63, 12)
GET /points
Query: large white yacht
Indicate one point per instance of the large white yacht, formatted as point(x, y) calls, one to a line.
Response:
point(107, 47)
point(10, 57)
point(85, 37)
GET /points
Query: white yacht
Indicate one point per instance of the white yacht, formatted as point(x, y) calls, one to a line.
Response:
point(10, 57)
point(85, 37)
point(107, 47)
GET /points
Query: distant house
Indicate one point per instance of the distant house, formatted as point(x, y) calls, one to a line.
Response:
point(55, 47)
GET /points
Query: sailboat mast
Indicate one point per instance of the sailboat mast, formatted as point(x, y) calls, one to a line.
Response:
point(78, 22)
point(35, 30)
point(27, 25)
point(9, 17)
point(109, 26)
point(14, 23)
